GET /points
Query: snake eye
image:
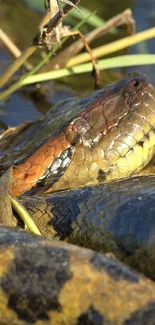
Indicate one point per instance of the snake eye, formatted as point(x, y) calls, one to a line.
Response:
point(135, 84)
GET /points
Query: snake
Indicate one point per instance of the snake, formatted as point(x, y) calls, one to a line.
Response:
point(82, 173)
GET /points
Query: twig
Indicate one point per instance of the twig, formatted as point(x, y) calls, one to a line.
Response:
point(48, 35)
point(24, 56)
point(123, 18)
point(61, 14)
point(113, 47)
point(93, 60)
point(16, 65)
point(13, 48)
point(51, 24)
point(18, 84)
point(54, 7)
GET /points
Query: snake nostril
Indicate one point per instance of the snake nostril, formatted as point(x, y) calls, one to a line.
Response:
point(151, 88)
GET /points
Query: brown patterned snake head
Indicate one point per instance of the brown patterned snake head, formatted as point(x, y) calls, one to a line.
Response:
point(111, 137)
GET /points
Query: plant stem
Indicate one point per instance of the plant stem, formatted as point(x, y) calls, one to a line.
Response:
point(116, 62)
point(24, 215)
point(113, 47)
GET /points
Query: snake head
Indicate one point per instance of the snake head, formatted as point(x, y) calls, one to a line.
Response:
point(110, 105)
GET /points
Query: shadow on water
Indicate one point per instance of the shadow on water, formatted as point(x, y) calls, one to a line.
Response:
point(20, 22)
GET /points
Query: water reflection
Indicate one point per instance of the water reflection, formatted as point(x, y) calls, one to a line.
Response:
point(20, 22)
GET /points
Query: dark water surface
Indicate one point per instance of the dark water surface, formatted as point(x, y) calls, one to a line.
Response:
point(20, 22)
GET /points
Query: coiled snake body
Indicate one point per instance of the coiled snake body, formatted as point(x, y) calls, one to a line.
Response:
point(108, 136)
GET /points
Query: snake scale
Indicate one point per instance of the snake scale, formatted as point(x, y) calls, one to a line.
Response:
point(80, 151)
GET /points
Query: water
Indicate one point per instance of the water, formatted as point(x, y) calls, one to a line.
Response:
point(21, 21)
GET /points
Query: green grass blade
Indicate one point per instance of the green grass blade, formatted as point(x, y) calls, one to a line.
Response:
point(24, 215)
point(19, 83)
point(116, 62)
point(94, 21)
